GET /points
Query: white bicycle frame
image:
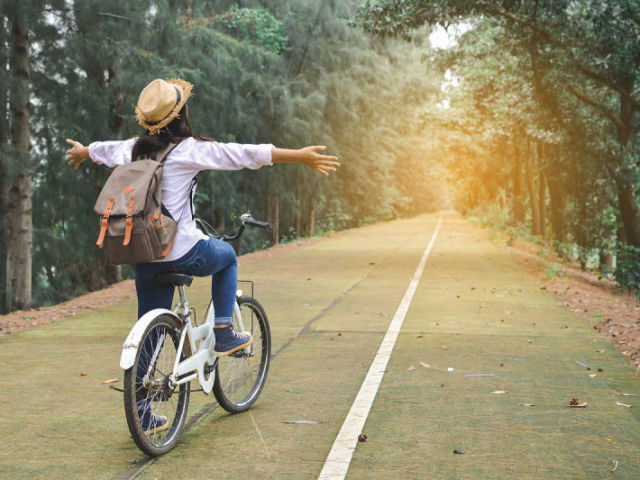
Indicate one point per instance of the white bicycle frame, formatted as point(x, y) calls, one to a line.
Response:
point(201, 342)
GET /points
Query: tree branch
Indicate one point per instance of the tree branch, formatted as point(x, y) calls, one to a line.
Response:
point(612, 116)
point(610, 83)
point(554, 41)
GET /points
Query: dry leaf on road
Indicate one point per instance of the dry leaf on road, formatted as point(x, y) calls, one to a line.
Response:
point(577, 404)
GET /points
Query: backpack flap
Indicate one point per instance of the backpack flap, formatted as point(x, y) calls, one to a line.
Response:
point(128, 181)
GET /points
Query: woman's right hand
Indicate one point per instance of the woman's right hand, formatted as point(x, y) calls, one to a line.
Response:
point(77, 154)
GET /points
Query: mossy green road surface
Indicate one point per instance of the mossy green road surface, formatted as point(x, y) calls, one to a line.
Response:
point(330, 303)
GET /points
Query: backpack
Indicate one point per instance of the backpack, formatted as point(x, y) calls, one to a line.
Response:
point(135, 227)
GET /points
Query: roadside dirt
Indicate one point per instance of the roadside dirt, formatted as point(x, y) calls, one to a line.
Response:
point(598, 301)
point(21, 320)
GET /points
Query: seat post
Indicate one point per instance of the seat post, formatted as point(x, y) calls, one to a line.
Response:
point(183, 297)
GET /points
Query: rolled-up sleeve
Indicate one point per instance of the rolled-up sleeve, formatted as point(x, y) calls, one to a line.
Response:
point(230, 156)
point(112, 153)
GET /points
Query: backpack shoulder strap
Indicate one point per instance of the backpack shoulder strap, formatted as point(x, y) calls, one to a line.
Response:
point(162, 155)
point(159, 156)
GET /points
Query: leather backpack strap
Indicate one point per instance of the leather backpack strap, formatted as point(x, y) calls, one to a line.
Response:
point(105, 222)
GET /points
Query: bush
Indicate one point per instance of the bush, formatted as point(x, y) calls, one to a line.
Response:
point(554, 270)
point(492, 216)
point(627, 272)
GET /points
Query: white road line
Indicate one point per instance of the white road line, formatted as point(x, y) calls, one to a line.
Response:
point(339, 458)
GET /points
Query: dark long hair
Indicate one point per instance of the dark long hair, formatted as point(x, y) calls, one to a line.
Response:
point(176, 131)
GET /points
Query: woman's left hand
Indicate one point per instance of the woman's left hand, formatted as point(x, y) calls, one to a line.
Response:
point(308, 156)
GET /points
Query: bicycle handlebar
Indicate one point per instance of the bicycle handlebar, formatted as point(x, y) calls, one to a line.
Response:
point(257, 223)
point(245, 219)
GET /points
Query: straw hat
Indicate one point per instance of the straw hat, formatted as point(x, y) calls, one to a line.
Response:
point(160, 102)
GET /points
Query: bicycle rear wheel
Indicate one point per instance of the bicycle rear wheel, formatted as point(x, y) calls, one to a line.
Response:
point(155, 408)
point(241, 375)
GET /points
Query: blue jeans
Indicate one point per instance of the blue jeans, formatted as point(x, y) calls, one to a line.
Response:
point(207, 257)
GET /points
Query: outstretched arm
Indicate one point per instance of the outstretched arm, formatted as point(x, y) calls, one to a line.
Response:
point(77, 154)
point(111, 153)
point(308, 156)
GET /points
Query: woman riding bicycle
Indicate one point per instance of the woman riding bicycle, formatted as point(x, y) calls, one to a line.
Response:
point(162, 111)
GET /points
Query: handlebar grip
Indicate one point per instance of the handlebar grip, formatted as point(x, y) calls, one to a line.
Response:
point(257, 223)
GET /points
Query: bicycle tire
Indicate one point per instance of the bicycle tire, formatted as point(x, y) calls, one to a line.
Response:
point(240, 377)
point(158, 398)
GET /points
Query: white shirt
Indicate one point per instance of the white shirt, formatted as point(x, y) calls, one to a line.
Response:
point(181, 166)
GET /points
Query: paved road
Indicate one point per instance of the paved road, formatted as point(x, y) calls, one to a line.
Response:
point(330, 304)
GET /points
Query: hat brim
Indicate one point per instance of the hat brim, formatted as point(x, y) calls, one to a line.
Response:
point(185, 92)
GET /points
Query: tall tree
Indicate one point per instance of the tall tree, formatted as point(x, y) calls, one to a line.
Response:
point(19, 247)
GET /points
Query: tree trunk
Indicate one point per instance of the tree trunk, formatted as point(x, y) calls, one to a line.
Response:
point(533, 193)
point(556, 206)
point(606, 261)
point(629, 213)
point(276, 219)
point(297, 218)
point(112, 273)
point(273, 209)
point(627, 203)
point(4, 139)
point(19, 210)
point(312, 218)
point(518, 191)
point(218, 220)
point(542, 192)
point(542, 198)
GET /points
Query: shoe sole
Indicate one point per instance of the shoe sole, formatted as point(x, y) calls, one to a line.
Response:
point(234, 349)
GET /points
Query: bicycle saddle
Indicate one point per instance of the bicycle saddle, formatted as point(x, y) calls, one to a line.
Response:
point(176, 279)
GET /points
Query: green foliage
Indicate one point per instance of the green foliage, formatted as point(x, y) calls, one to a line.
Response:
point(255, 25)
point(627, 272)
point(492, 216)
point(554, 270)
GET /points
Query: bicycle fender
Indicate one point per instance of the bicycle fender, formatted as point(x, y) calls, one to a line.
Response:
point(130, 345)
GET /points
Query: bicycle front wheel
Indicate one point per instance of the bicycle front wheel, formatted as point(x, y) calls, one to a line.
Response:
point(155, 408)
point(241, 375)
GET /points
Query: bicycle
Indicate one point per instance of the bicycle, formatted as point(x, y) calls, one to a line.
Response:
point(165, 350)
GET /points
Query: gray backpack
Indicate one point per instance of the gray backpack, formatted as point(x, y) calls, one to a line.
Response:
point(135, 227)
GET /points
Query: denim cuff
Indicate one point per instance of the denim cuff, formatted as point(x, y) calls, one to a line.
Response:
point(223, 321)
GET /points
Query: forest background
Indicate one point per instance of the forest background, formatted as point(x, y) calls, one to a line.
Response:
point(528, 121)
point(291, 73)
